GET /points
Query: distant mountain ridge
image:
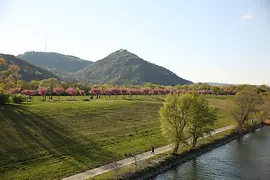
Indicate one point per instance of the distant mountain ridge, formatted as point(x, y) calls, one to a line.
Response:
point(122, 67)
point(27, 70)
point(56, 62)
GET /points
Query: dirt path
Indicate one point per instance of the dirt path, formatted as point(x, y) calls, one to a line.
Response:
point(125, 162)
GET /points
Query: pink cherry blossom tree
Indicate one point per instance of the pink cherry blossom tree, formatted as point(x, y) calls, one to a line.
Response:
point(172, 91)
point(72, 92)
point(15, 90)
point(81, 92)
point(58, 91)
point(124, 91)
point(167, 91)
point(109, 92)
point(33, 93)
point(29, 93)
point(95, 91)
point(133, 91)
point(26, 92)
point(43, 91)
point(146, 91)
point(228, 92)
point(161, 91)
point(179, 92)
point(116, 91)
point(154, 92)
point(137, 91)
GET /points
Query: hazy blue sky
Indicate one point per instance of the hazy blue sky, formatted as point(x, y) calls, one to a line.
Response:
point(202, 40)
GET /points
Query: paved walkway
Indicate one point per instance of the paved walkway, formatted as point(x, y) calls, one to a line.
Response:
point(131, 160)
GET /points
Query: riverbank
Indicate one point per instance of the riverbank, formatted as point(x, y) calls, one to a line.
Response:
point(137, 160)
point(173, 161)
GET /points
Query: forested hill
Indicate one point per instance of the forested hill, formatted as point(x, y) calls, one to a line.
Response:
point(27, 70)
point(122, 67)
point(55, 62)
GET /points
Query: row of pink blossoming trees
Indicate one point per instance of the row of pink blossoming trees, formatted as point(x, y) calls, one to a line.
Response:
point(43, 91)
point(147, 91)
point(72, 92)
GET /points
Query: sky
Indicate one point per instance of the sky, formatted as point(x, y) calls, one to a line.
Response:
point(226, 41)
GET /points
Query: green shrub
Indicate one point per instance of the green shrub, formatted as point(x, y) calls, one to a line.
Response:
point(17, 98)
point(4, 98)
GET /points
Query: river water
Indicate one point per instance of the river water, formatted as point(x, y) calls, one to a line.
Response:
point(244, 159)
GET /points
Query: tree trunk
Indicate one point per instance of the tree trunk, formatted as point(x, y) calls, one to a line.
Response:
point(176, 147)
point(194, 142)
point(240, 127)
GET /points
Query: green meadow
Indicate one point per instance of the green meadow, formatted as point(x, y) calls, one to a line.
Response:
point(55, 139)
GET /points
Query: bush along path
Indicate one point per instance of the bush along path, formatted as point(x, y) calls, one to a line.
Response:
point(131, 160)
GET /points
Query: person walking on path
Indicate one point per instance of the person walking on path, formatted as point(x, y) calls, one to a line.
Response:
point(153, 149)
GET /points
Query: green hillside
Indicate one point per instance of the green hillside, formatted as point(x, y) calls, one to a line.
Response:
point(124, 67)
point(27, 70)
point(55, 62)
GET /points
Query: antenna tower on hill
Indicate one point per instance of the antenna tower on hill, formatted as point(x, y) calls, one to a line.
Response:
point(45, 44)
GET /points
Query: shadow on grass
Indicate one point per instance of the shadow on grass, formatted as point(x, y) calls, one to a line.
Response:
point(32, 137)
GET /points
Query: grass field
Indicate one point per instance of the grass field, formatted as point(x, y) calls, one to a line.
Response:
point(51, 140)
